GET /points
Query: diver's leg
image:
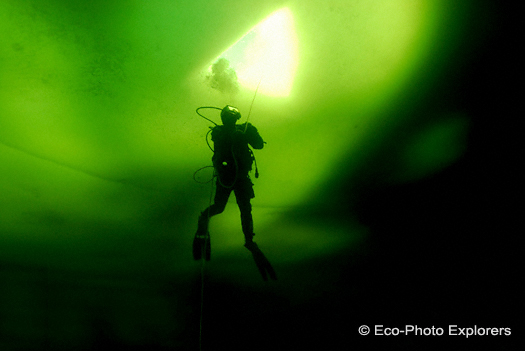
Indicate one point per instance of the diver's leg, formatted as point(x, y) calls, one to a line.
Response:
point(246, 218)
point(243, 194)
point(221, 198)
point(201, 242)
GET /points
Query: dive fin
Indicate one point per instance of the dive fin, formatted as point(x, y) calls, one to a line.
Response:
point(263, 265)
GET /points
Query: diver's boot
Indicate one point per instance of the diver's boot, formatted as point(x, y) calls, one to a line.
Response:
point(207, 247)
point(249, 243)
point(201, 244)
point(197, 250)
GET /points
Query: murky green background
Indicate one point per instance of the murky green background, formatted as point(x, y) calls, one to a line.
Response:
point(373, 149)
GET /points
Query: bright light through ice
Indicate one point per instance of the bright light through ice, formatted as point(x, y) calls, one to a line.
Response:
point(268, 53)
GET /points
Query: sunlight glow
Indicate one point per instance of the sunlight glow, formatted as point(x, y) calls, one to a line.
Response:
point(266, 54)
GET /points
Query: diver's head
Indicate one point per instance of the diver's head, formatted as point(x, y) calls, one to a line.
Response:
point(230, 115)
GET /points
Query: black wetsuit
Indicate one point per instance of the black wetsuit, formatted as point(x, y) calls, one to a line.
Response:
point(233, 160)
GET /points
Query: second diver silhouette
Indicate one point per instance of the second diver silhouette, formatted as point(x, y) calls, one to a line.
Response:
point(232, 160)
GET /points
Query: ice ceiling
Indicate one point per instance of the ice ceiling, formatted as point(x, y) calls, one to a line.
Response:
point(99, 138)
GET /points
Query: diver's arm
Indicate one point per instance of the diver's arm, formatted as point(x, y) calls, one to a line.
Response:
point(253, 137)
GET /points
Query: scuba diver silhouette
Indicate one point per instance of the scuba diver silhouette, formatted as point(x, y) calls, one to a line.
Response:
point(232, 160)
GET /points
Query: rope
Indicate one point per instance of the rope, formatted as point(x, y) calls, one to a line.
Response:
point(203, 260)
point(202, 303)
point(250, 111)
